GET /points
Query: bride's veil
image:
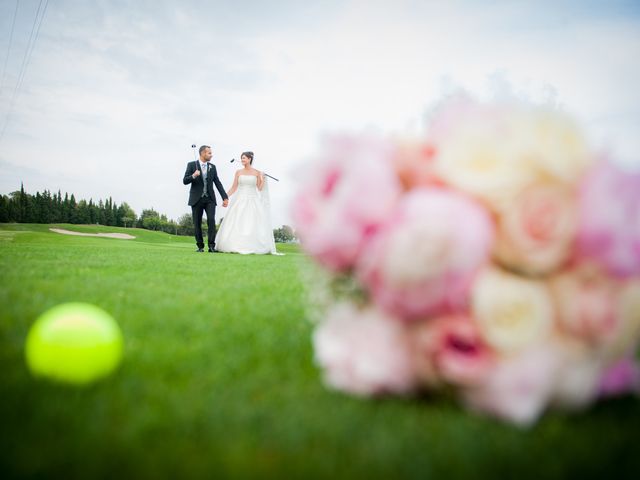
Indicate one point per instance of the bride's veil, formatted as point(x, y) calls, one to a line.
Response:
point(264, 196)
point(266, 204)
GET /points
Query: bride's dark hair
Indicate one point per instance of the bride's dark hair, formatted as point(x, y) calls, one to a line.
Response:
point(249, 155)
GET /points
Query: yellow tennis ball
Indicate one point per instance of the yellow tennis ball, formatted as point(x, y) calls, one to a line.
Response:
point(74, 343)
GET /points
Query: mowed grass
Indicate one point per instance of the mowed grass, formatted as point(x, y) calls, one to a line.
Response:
point(218, 380)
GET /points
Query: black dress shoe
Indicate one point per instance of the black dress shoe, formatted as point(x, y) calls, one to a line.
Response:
point(212, 251)
point(200, 250)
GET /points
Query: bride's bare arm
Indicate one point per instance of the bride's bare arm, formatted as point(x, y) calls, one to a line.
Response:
point(234, 187)
point(260, 181)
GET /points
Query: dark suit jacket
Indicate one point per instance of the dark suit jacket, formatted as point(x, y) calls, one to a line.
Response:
point(197, 184)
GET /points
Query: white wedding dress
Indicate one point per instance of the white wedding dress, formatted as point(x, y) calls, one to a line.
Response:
point(246, 226)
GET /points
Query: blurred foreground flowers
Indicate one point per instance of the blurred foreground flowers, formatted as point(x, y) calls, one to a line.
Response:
point(498, 257)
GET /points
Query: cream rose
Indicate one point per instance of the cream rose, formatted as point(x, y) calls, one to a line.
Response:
point(556, 146)
point(481, 157)
point(494, 152)
point(512, 312)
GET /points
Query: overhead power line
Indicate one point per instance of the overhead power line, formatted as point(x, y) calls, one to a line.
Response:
point(6, 58)
point(33, 38)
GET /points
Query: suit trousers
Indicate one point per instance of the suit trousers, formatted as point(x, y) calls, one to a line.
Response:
point(202, 205)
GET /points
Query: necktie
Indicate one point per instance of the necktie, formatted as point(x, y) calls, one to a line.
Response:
point(204, 179)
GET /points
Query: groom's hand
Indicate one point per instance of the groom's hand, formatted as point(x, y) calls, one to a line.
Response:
point(196, 174)
point(225, 203)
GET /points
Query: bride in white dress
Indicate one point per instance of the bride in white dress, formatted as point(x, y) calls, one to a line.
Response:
point(246, 227)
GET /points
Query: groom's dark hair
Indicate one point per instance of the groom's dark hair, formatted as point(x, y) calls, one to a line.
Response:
point(202, 149)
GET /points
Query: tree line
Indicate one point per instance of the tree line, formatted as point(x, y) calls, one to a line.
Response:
point(48, 207)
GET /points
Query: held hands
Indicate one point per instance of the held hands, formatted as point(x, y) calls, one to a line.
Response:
point(225, 202)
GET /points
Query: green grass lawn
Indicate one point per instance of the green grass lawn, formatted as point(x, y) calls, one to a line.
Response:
point(218, 380)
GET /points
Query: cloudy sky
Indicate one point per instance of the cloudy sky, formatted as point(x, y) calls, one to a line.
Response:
point(115, 92)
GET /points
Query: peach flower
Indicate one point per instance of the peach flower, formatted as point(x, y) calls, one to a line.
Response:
point(536, 231)
point(586, 303)
point(414, 163)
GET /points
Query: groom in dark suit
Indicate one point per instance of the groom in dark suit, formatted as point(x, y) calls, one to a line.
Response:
point(202, 174)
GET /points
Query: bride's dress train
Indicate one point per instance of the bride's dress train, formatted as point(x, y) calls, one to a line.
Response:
point(246, 227)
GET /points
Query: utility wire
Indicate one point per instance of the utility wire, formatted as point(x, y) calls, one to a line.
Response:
point(6, 58)
point(33, 37)
point(33, 44)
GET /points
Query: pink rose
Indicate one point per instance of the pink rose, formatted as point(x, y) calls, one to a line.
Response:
point(364, 352)
point(450, 349)
point(586, 303)
point(518, 388)
point(343, 199)
point(609, 221)
point(620, 378)
point(536, 231)
point(423, 259)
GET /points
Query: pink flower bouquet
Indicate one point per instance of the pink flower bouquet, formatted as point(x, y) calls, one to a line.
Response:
point(498, 258)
